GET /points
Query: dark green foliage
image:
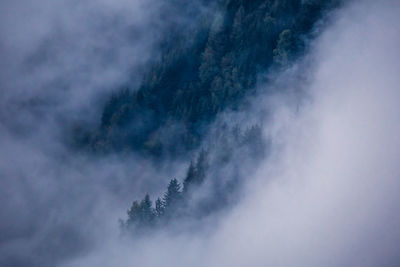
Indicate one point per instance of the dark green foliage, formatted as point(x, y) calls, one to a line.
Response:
point(141, 215)
point(121, 100)
point(203, 72)
point(191, 177)
point(285, 49)
point(160, 207)
point(147, 210)
point(134, 214)
point(211, 69)
point(172, 199)
point(235, 154)
point(231, 146)
point(196, 173)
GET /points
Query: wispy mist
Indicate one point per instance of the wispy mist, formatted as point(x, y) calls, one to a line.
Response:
point(327, 194)
point(60, 60)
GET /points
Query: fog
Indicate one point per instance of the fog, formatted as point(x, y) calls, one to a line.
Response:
point(60, 61)
point(327, 195)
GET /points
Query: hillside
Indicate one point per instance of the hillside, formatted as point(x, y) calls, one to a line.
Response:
point(175, 108)
point(202, 73)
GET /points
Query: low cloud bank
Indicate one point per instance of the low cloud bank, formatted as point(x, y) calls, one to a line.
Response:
point(327, 195)
point(60, 61)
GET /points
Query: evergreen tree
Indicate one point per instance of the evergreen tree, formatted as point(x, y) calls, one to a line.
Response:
point(146, 211)
point(190, 177)
point(201, 167)
point(172, 198)
point(191, 83)
point(195, 80)
point(140, 215)
point(133, 215)
point(196, 174)
point(286, 48)
point(159, 210)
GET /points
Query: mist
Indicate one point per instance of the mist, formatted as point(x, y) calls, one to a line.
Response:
point(60, 61)
point(327, 194)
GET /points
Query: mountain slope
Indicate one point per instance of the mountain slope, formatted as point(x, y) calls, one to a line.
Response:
point(204, 72)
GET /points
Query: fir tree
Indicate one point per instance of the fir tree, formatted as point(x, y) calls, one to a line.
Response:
point(201, 167)
point(140, 215)
point(172, 198)
point(159, 210)
point(146, 211)
point(133, 215)
point(190, 178)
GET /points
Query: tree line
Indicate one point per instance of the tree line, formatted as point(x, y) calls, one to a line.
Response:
point(177, 201)
point(143, 215)
point(202, 73)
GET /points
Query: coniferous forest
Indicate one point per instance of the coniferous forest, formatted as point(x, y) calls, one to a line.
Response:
point(199, 75)
point(199, 133)
point(204, 72)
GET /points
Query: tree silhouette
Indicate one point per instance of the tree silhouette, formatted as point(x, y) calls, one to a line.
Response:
point(190, 178)
point(140, 215)
point(159, 210)
point(196, 174)
point(172, 198)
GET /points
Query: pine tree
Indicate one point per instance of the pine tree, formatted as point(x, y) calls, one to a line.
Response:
point(285, 49)
point(159, 210)
point(172, 198)
point(146, 212)
point(196, 173)
point(190, 177)
point(133, 218)
point(201, 167)
point(141, 214)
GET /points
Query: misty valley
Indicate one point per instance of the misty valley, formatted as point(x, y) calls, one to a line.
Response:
point(199, 133)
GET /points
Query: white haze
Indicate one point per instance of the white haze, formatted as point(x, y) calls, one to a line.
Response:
point(59, 62)
point(327, 196)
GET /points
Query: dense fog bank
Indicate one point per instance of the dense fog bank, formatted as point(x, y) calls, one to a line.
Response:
point(326, 195)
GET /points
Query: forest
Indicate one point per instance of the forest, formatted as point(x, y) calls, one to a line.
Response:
point(201, 74)
point(200, 133)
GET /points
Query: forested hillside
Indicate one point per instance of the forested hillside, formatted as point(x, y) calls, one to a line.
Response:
point(199, 133)
point(203, 72)
point(200, 75)
point(211, 171)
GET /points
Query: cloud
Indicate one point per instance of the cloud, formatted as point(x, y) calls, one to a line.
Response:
point(326, 196)
point(60, 60)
